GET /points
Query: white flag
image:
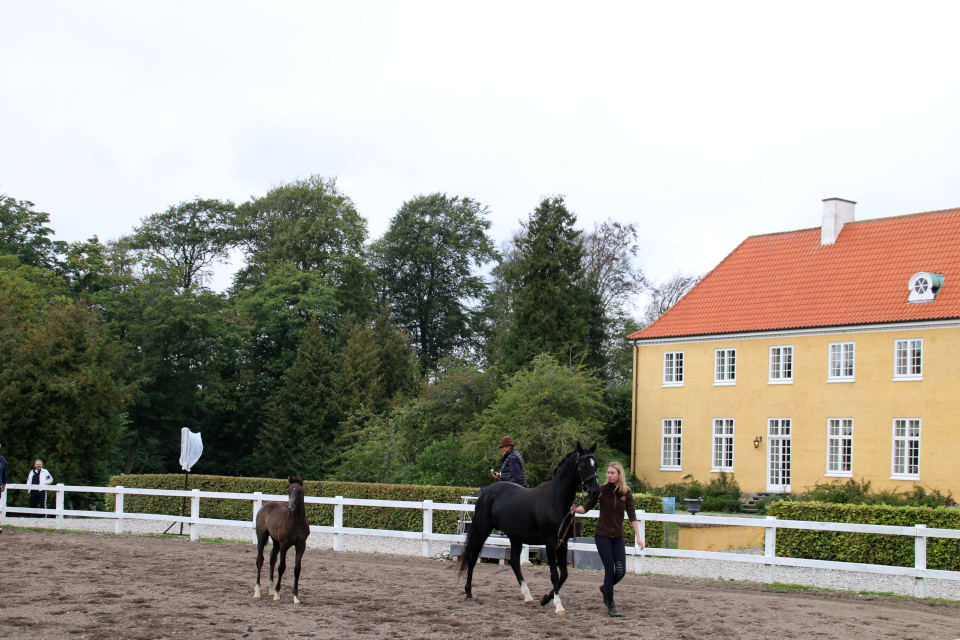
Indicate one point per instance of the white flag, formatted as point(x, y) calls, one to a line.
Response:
point(191, 446)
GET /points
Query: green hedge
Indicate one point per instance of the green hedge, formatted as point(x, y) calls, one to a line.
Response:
point(869, 548)
point(386, 518)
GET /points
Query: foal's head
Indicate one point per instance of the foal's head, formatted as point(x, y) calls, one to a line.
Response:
point(586, 471)
point(294, 492)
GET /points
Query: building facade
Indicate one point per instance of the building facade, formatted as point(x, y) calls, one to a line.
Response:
point(811, 355)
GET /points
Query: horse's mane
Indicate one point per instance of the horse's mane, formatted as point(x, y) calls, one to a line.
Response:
point(561, 463)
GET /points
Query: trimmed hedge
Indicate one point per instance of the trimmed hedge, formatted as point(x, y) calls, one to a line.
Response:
point(386, 518)
point(869, 548)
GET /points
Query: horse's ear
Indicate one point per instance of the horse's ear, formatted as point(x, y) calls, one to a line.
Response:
point(579, 448)
point(300, 478)
point(292, 479)
point(594, 447)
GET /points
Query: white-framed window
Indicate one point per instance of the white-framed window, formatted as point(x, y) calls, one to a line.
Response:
point(841, 362)
point(906, 449)
point(673, 369)
point(781, 364)
point(908, 359)
point(722, 444)
point(725, 368)
point(840, 447)
point(779, 454)
point(671, 444)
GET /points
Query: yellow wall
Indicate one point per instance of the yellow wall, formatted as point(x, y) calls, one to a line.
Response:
point(873, 401)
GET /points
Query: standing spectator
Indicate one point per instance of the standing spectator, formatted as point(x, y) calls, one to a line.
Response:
point(3, 477)
point(39, 476)
point(511, 464)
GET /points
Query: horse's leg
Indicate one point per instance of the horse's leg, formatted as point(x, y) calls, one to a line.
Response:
point(261, 543)
point(472, 547)
point(554, 577)
point(301, 547)
point(281, 569)
point(515, 548)
point(273, 563)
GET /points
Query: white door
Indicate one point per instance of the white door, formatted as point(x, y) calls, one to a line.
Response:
point(778, 455)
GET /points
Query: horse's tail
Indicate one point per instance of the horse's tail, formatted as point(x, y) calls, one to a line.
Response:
point(480, 528)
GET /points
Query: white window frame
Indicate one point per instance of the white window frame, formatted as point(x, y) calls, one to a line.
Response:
point(673, 368)
point(781, 445)
point(780, 370)
point(722, 453)
point(908, 359)
point(724, 367)
point(842, 362)
point(902, 441)
point(671, 443)
point(839, 446)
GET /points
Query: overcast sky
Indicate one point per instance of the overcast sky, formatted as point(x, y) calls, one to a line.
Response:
point(701, 122)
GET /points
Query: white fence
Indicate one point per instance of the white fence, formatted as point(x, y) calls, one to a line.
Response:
point(920, 533)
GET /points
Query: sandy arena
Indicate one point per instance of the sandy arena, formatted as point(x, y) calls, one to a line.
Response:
point(99, 586)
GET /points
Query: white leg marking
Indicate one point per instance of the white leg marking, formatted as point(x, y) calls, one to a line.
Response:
point(525, 592)
point(270, 590)
point(296, 600)
point(256, 592)
point(276, 596)
point(556, 601)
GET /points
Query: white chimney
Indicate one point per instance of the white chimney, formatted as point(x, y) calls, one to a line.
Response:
point(836, 213)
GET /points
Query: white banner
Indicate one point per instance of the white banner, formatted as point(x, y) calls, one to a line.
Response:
point(191, 446)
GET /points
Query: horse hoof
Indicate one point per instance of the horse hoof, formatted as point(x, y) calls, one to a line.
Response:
point(531, 602)
point(276, 597)
point(562, 612)
point(256, 592)
point(296, 600)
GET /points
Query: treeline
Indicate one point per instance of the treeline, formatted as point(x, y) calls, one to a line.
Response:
point(330, 355)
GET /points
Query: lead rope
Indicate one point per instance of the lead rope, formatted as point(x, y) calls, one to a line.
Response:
point(564, 525)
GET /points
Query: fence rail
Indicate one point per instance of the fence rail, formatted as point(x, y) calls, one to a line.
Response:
point(920, 533)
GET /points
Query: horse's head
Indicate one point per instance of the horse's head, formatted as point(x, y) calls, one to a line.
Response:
point(586, 470)
point(294, 492)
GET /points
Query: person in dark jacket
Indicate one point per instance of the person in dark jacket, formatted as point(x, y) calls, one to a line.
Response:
point(616, 500)
point(511, 464)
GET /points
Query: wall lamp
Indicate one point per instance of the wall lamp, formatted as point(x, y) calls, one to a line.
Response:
point(757, 441)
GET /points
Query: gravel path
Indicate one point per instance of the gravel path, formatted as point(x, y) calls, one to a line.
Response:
point(694, 568)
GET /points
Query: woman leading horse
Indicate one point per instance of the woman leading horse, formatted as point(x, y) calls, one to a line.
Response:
point(534, 517)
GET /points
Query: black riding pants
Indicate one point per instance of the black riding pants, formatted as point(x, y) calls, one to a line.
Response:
point(38, 499)
point(613, 555)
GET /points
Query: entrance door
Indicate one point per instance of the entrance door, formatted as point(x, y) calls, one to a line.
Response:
point(778, 455)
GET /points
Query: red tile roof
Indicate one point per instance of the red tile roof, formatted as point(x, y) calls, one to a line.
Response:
point(789, 280)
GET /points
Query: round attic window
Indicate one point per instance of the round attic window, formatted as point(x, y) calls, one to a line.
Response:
point(921, 285)
point(924, 286)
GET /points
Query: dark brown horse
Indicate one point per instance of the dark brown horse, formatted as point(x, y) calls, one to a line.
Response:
point(287, 525)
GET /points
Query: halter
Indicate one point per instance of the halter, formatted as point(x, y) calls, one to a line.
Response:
point(564, 525)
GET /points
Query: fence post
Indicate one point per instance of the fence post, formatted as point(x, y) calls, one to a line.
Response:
point(257, 504)
point(118, 509)
point(3, 507)
point(920, 562)
point(338, 523)
point(427, 527)
point(59, 503)
point(640, 559)
point(769, 550)
point(195, 515)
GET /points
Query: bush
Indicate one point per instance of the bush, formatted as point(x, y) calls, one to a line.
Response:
point(866, 547)
point(852, 492)
point(721, 494)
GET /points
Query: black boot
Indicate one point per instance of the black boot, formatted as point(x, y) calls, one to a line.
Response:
point(612, 608)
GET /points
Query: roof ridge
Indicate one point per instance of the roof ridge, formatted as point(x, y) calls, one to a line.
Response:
point(867, 220)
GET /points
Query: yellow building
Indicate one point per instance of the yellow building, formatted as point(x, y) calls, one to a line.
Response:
point(810, 355)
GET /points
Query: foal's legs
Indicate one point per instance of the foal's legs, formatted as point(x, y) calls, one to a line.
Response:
point(273, 563)
point(281, 569)
point(479, 531)
point(261, 543)
point(301, 547)
point(516, 547)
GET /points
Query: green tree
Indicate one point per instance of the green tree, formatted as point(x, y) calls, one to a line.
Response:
point(425, 263)
point(546, 408)
point(24, 234)
point(548, 306)
point(187, 239)
point(61, 395)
